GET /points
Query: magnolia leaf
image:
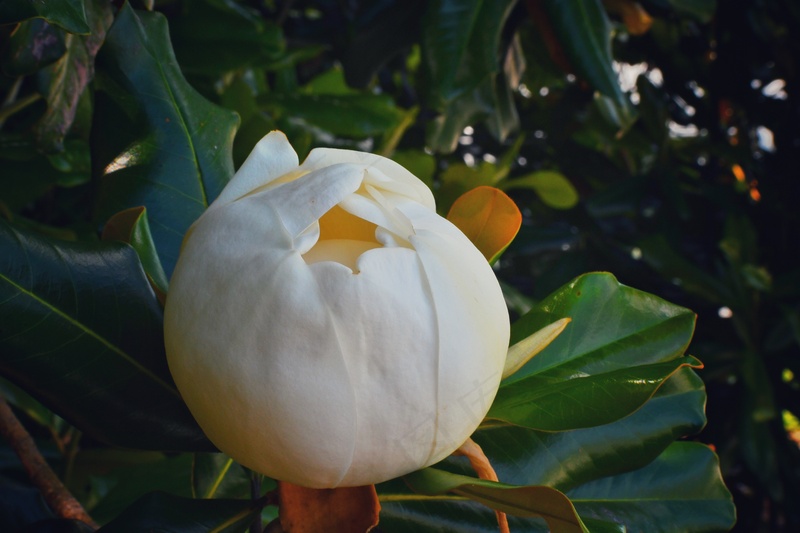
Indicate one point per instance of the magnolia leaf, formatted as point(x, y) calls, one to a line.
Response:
point(489, 218)
point(131, 226)
point(522, 352)
point(82, 332)
point(680, 492)
point(542, 502)
point(156, 141)
point(344, 509)
point(582, 402)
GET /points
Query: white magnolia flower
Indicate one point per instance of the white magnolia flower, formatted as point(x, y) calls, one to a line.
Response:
point(326, 327)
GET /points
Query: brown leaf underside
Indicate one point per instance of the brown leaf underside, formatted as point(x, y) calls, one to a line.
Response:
point(344, 510)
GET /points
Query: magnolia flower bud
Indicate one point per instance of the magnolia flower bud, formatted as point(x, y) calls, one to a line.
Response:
point(326, 327)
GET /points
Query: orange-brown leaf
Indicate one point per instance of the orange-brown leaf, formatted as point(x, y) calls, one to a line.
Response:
point(488, 217)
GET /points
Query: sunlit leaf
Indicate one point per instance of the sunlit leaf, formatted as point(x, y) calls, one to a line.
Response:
point(553, 188)
point(489, 218)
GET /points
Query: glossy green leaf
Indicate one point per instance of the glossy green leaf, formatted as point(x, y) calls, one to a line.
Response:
point(613, 327)
point(542, 502)
point(619, 349)
point(171, 514)
point(156, 141)
point(68, 14)
point(554, 189)
point(562, 460)
point(542, 402)
point(680, 492)
point(349, 115)
point(566, 459)
point(584, 32)
point(69, 76)
point(82, 332)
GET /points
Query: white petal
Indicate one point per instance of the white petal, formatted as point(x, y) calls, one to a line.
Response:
point(387, 329)
point(473, 331)
point(322, 157)
point(237, 324)
point(303, 201)
point(271, 158)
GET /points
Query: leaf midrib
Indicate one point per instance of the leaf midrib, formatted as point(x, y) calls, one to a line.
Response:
point(99, 338)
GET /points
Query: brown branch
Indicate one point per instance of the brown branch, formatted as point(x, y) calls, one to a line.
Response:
point(41, 475)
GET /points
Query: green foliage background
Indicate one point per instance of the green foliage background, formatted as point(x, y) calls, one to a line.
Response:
point(667, 158)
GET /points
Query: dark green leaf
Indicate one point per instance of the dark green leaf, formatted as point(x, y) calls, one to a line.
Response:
point(349, 115)
point(460, 45)
point(491, 102)
point(156, 142)
point(566, 459)
point(217, 36)
point(82, 332)
point(171, 514)
point(129, 482)
point(69, 14)
point(379, 37)
point(584, 32)
point(447, 28)
point(659, 254)
point(680, 492)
